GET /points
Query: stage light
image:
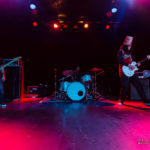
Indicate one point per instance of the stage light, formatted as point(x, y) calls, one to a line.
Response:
point(86, 26)
point(107, 27)
point(35, 24)
point(34, 12)
point(109, 14)
point(56, 26)
point(65, 26)
point(114, 10)
point(32, 6)
point(75, 27)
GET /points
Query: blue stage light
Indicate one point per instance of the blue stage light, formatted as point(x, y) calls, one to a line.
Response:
point(32, 6)
point(114, 10)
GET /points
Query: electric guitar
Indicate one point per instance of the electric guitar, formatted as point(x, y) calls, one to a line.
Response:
point(7, 64)
point(128, 71)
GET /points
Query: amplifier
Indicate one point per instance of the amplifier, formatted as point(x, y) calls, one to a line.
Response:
point(134, 95)
point(33, 89)
point(41, 90)
point(14, 82)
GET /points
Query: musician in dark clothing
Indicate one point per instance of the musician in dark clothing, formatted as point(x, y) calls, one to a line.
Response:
point(2, 97)
point(125, 58)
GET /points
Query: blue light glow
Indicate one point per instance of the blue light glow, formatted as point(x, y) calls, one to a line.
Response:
point(32, 6)
point(114, 10)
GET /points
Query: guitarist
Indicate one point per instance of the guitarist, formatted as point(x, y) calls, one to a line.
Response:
point(2, 79)
point(125, 58)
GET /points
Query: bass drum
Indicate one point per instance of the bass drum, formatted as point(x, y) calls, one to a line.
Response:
point(76, 91)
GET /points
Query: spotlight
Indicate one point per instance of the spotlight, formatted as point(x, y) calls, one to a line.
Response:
point(56, 26)
point(114, 10)
point(32, 6)
point(107, 27)
point(34, 12)
point(65, 26)
point(108, 14)
point(75, 27)
point(86, 26)
point(35, 24)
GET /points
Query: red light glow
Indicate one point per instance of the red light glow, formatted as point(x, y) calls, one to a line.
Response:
point(65, 26)
point(75, 27)
point(35, 24)
point(107, 27)
point(34, 12)
point(109, 14)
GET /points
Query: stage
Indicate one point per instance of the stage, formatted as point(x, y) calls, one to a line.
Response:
point(59, 125)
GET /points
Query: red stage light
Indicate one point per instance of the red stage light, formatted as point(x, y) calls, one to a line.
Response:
point(109, 14)
point(65, 26)
point(56, 26)
point(86, 26)
point(107, 27)
point(35, 24)
point(34, 12)
point(75, 27)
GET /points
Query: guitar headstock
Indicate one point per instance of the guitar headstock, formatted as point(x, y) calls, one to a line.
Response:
point(148, 57)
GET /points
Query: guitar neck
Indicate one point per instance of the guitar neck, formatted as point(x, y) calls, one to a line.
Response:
point(143, 60)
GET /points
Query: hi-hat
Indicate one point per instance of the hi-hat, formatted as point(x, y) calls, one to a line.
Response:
point(96, 69)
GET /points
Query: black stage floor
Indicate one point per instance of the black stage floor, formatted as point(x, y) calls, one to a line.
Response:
point(94, 125)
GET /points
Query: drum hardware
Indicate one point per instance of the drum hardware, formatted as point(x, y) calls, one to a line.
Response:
point(76, 90)
point(64, 85)
point(72, 73)
point(62, 79)
point(67, 73)
point(101, 72)
point(95, 70)
point(86, 78)
point(55, 82)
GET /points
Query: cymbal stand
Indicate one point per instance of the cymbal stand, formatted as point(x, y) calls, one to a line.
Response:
point(95, 89)
point(95, 86)
point(55, 83)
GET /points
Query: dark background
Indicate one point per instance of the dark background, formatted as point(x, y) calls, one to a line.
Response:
point(43, 49)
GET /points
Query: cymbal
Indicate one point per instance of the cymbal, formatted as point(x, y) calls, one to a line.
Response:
point(96, 69)
point(67, 72)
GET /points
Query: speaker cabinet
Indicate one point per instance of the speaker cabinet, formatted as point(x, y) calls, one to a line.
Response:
point(134, 95)
point(13, 82)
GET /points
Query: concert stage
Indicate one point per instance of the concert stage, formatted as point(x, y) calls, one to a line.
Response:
point(59, 125)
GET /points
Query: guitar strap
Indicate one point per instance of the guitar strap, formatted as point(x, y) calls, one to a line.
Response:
point(127, 57)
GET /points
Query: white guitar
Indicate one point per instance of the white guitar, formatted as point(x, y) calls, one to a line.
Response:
point(129, 70)
point(7, 64)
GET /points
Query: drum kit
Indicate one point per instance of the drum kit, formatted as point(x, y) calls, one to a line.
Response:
point(75, 89)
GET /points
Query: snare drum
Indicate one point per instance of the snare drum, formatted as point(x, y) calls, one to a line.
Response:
point(86, 78)
point(64, 85)
point(76, 91)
